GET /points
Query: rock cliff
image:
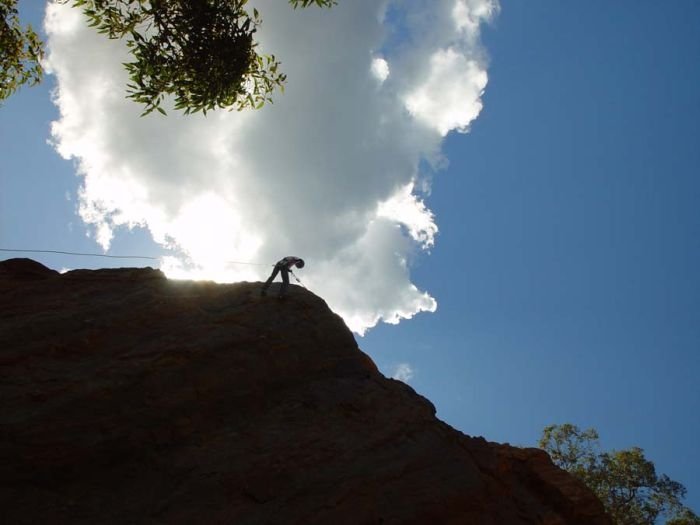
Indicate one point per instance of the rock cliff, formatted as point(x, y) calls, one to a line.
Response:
point(128, 398)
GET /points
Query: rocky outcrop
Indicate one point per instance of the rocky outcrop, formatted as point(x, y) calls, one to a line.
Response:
point(129, 398)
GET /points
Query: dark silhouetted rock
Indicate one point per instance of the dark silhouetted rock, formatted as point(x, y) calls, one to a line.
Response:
point(22, 269)
point(127, 398)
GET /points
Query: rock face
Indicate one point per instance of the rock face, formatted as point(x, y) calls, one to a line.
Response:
point(128, 398)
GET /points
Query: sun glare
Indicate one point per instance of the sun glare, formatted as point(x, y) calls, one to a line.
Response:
point(217, 245)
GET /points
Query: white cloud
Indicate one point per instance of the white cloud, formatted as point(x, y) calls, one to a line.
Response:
point(470, 14)
point(403, 372)
point(453, 78)
point(328, 172)
point(405, 208)
point(380, 69)
point(450, 97)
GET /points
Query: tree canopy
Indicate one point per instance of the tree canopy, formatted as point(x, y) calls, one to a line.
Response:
point(200, 52)
point(624, 480)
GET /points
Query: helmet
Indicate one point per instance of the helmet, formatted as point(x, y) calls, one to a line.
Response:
point(300, 263)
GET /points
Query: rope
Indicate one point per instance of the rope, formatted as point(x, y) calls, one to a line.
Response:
point(249, 263)
point(112, 256)
point(83, 254)
point(297, 279)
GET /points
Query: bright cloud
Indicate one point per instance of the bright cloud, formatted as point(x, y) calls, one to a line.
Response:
point(405, 208)
point(328, 172)
point(380, 69)
point(470, 14)
point(450, 97)
point(403, 372)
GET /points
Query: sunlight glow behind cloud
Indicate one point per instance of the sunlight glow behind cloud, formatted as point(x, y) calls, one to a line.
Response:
point(329, 172)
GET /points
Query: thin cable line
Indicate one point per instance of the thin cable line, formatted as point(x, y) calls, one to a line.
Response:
point(82, 254)
point(111, 256)
point(249, 263)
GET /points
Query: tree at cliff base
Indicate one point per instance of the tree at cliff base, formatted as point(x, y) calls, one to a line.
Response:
point(624, 480)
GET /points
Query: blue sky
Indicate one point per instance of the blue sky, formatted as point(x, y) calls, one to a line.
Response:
point(565, 268)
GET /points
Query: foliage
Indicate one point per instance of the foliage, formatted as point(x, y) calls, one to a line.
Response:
point(625, 481)
point(684, 517)
point(20, 51)
point(200, 52)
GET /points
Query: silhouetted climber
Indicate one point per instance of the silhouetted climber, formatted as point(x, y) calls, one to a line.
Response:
point(284, 267)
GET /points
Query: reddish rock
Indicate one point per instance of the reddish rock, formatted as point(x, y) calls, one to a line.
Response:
point(129, 398)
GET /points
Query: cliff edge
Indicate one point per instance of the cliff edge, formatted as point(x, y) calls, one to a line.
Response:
point(129, 398)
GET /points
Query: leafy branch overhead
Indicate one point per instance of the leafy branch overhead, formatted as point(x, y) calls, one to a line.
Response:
point(202, 53)
point(20, 51)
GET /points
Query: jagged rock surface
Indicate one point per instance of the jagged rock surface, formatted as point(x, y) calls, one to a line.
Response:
point(129, 398)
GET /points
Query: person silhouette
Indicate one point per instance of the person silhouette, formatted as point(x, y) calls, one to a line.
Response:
point(283, 266)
